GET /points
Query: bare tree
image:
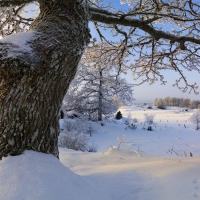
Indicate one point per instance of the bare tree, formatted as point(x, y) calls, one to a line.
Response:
point(167, 101)
point(193, 104)
point(186, 102)
point(160, 104)
point(37, 67)
point(96, 91)
point(155, 101)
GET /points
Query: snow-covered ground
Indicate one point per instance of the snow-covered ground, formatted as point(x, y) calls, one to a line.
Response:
point(171, 129)
point(140, 170)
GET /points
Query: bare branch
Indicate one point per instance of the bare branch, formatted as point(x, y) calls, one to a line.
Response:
point(153, 46)
point(143, 25)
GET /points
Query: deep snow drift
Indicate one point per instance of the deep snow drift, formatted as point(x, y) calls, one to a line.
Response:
point(114, 174)
point(38, 176)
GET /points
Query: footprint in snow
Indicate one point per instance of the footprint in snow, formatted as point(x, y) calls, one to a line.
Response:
point(196, 187)
point(195, 180)
point(195, 195)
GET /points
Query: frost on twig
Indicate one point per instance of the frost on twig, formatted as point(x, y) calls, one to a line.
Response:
point(178, 153)
point(121, 141)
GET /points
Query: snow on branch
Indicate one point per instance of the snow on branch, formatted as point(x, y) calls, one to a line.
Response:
point(13, 20)
point(160, 35)
point(111, 18)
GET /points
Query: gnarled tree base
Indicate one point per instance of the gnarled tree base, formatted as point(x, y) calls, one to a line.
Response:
point(34, 83)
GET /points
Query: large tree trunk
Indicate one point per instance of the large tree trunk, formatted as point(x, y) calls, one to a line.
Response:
point(34, 83)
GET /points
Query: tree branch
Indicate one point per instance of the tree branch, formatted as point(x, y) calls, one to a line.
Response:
point(106, 17)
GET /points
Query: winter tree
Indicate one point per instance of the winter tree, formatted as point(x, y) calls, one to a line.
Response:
point(180, 102)
point(174, 102)
point(167, 101)
point(161, 104)
point(37, 66)
point(193, 104)
point(195, 119)
point(186, 102)
point(155, 101)
point(96, 91)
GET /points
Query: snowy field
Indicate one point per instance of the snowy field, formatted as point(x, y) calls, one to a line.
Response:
point(171, 128)
point(149, 165)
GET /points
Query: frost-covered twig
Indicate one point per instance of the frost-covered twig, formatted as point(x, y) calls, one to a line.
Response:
point(121, 141)
point(178, 153)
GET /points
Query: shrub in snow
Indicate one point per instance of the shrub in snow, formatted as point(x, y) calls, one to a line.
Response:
point(135, 120)
point(195, 119)
point(130, 123)
point(178, 153)
point(70, 125)
point(149, 128)
point(149, 120)
point(130, 126)
point(76, 141)
point(93, 147)
point(127, 146)
point(118, 115)
point(90, 129)
point(79, 125)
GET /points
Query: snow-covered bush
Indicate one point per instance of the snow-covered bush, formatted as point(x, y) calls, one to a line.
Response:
point(131, 123)
point(148, 119)
point(195, 119)
point(70, 125)
point(76, 141)
point(90, 129)
point(126, 146)
point(80, 125)
point(93, 147)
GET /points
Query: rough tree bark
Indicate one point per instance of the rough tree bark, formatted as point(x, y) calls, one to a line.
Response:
point(33, 84)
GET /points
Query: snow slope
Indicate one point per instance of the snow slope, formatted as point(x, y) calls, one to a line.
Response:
point(124, 176)
point(38, 176)
point(114, 174)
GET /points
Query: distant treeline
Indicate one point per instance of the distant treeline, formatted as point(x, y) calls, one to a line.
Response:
point(176, 102)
